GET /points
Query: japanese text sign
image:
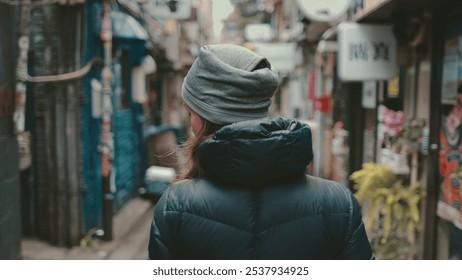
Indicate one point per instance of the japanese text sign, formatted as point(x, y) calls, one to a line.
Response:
point(366, 52)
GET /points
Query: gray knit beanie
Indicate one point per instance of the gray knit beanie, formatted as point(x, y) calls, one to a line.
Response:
point(223, 86)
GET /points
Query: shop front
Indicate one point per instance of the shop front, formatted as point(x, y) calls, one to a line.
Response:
point(449, 192)
point(403, 126)
point(416, 131)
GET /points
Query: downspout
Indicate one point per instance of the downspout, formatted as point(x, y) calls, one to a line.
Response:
point(106, 143)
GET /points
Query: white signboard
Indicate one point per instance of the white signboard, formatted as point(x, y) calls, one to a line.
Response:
point(282, 56)
point(259, 32)
point(323, 10)
point(168, 9)
point(366, 52)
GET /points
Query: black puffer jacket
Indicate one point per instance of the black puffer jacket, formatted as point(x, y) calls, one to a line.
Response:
point(257, 203)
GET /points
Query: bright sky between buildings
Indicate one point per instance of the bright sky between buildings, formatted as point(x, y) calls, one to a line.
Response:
point(220, 11)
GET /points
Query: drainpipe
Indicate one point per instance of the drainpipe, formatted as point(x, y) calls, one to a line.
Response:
point(106, 145)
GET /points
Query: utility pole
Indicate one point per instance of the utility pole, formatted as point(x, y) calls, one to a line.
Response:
point(106, 142)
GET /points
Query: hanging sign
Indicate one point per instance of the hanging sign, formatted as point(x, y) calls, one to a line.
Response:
point(282, 56)
point(366, 52)
point(323, 10)
point(259, 32)
point(168, 9)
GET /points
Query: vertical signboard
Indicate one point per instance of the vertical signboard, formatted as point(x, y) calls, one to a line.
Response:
point(369, 95)
point(366, 52)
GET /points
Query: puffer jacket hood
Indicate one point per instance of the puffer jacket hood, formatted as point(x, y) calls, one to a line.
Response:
point(254, 153)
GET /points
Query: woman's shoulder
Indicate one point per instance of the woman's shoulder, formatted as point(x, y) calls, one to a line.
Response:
point(177, 192)
point(325, 185)
point(187, 195)
point(329, 192)
point(189, 188)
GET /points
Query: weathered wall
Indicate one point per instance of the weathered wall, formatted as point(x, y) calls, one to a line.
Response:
point(10, 215)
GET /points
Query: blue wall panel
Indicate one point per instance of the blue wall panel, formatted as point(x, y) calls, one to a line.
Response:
point(91, 127)
point(126, 156)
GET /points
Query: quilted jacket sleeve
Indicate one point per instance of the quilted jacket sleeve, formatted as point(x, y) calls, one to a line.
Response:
point(159, 237)
point(357, 246)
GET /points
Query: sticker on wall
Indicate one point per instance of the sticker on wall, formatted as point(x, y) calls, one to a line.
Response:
point(369, 98)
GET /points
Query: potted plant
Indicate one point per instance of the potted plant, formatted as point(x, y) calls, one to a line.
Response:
point(391, 208)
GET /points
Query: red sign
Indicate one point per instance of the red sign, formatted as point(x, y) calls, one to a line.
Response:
point(323, 104)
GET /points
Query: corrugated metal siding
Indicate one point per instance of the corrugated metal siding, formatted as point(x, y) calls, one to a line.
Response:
point(126, 158)
point(55, 45)
point(127, 130)
point(90, 133)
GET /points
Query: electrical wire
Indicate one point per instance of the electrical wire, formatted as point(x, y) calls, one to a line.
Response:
point(62, 77)
point(34, 3)
point(12, 2)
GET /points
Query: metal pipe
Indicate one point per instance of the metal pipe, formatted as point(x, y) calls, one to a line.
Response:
point(106, 134)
